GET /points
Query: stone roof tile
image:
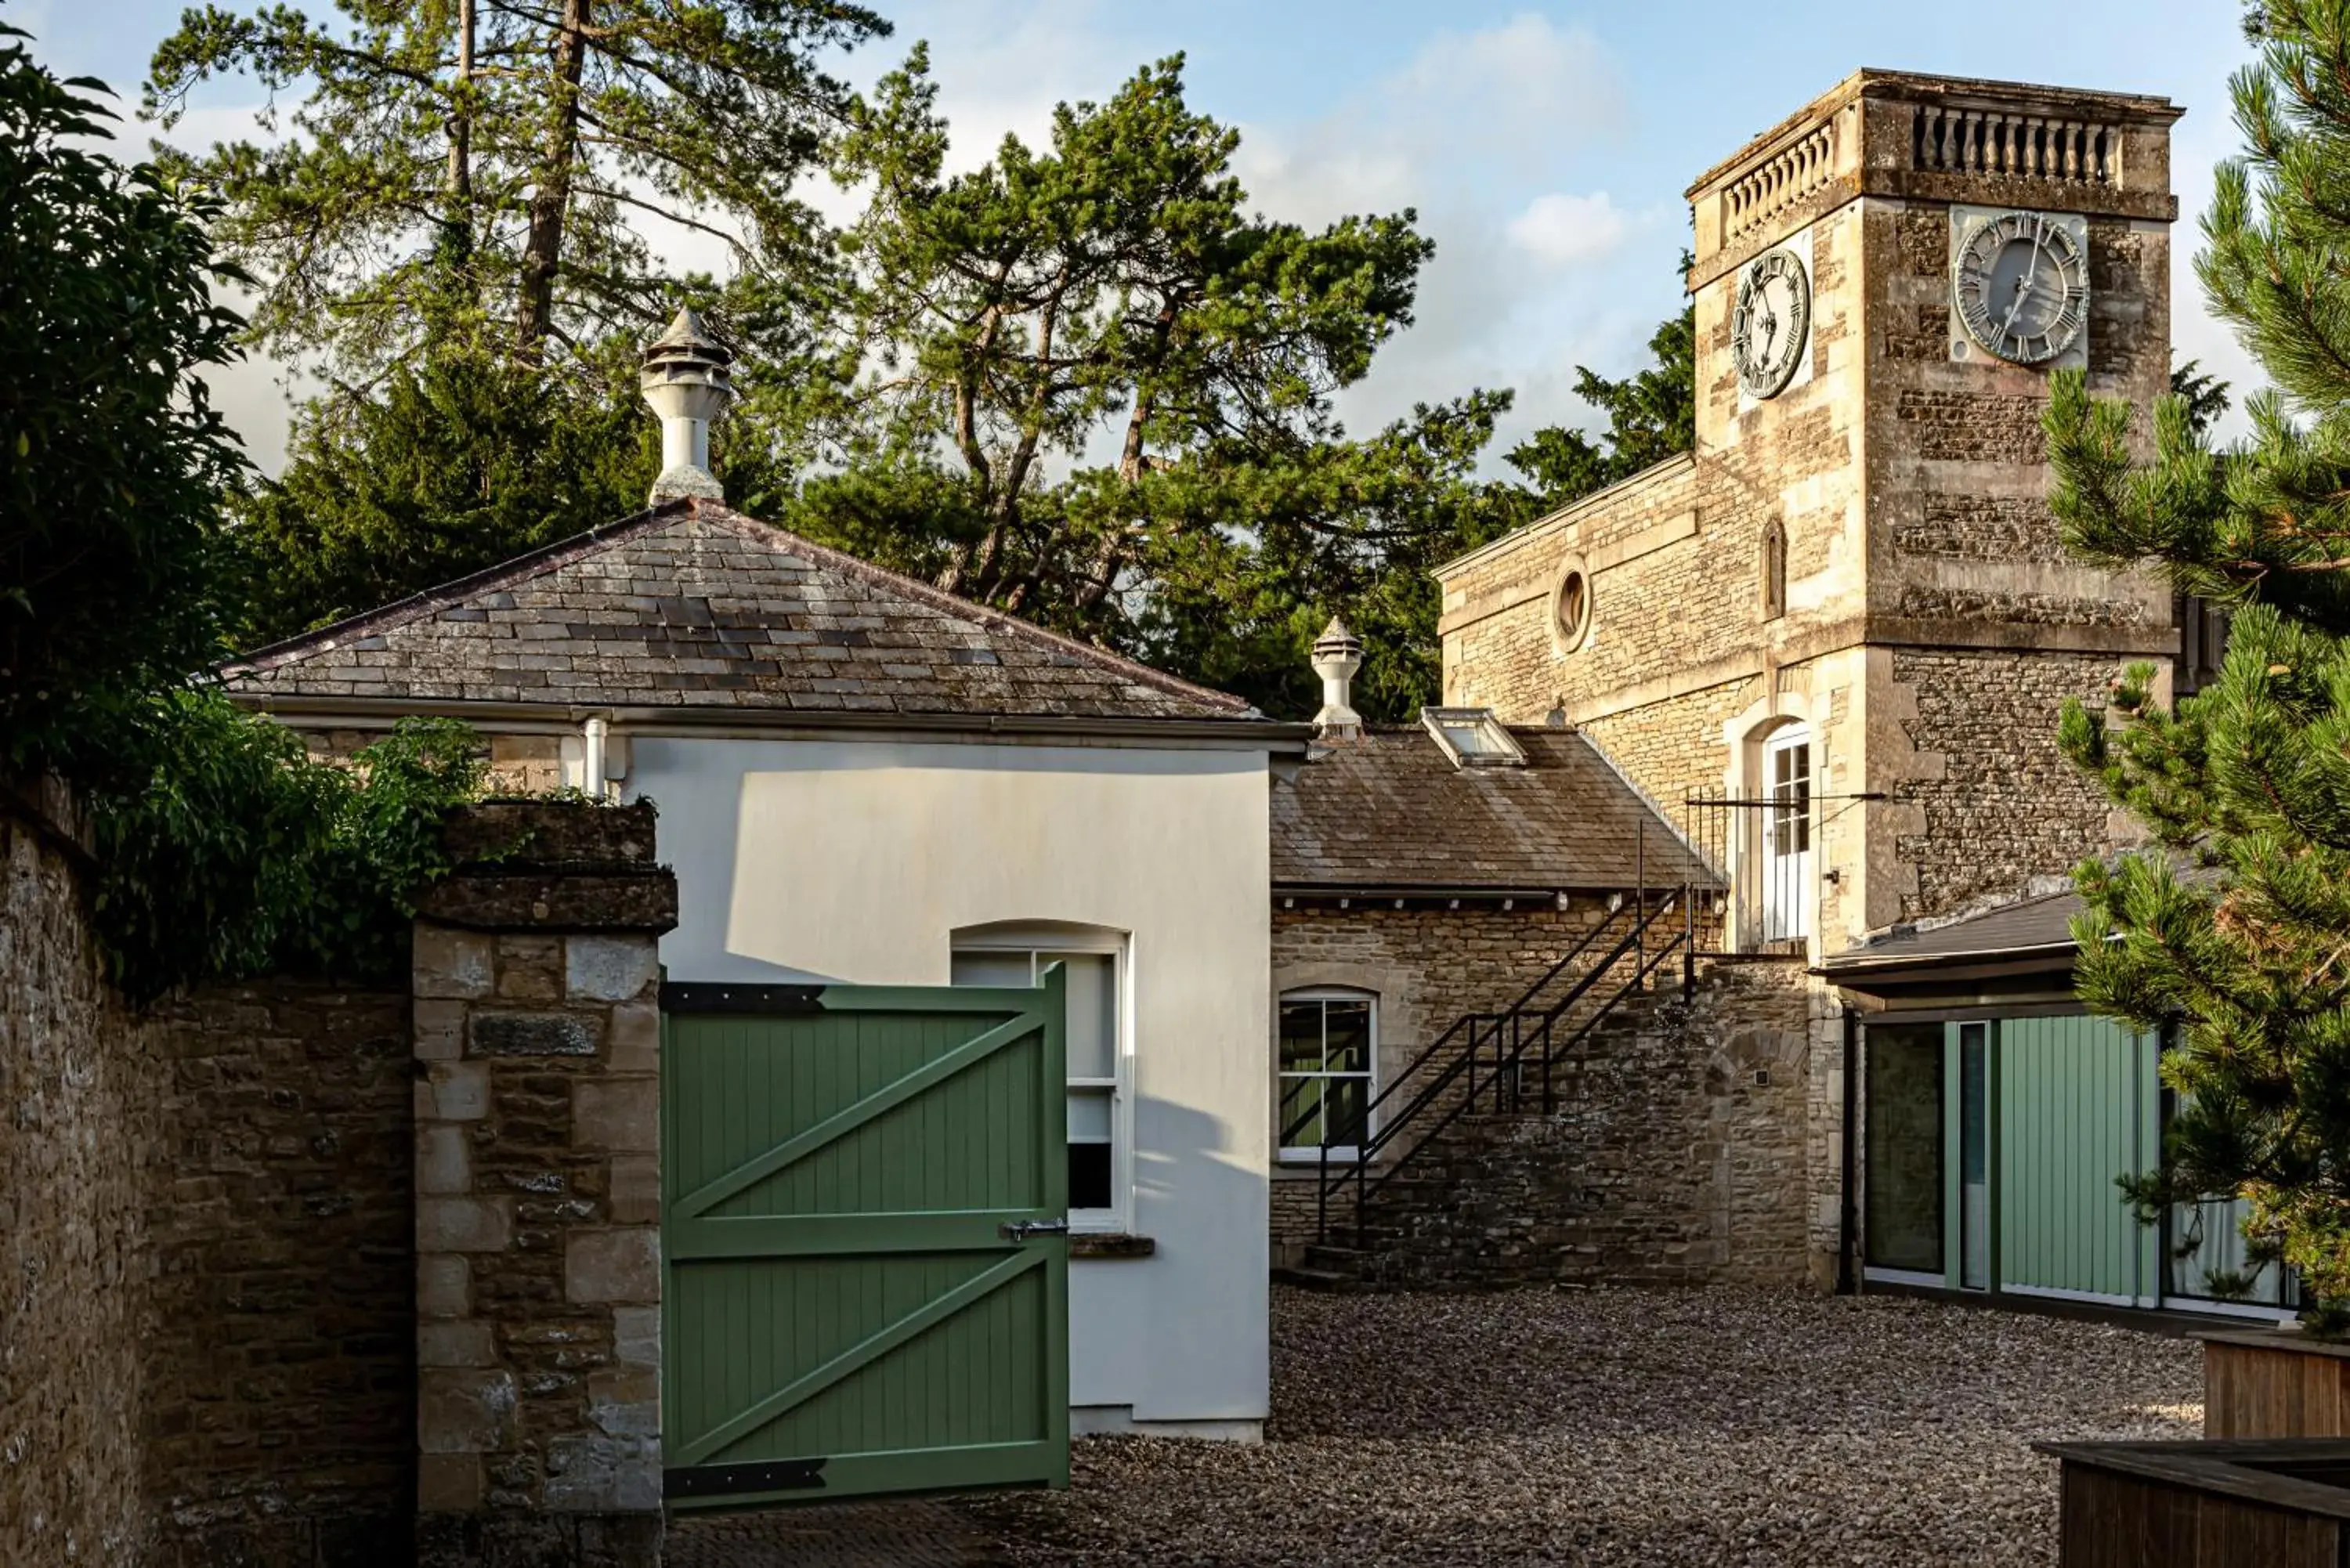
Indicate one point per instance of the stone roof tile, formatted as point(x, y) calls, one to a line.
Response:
point(1389, 810)
point(694, 603)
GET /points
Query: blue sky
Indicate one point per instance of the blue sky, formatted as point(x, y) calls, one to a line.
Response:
point(1544, 146)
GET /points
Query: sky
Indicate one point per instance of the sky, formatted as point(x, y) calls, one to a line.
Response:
point(1544, 147)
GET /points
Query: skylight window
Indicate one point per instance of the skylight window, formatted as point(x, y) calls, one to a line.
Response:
point(1472, 737)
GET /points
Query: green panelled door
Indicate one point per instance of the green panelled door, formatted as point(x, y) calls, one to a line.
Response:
point(2079, 1104)
point(865, 1195)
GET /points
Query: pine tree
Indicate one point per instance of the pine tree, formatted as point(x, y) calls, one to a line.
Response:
point(2236, 934)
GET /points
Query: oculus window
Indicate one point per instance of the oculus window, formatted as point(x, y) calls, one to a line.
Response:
point(1097, 1057)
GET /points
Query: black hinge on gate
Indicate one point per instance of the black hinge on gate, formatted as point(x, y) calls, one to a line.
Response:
point(725, 996)
point(733, 1481)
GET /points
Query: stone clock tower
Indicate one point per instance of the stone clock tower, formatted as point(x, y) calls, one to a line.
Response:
point(1850, 597)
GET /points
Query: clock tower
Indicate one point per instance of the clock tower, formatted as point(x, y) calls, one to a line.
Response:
point(1851, 595)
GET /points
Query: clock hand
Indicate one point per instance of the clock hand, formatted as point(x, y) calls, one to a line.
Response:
point(2024, 284)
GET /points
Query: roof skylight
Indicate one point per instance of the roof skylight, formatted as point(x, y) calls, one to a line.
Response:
point(1472, 737)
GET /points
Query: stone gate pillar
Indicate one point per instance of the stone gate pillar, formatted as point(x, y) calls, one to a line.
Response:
point(537, 1039)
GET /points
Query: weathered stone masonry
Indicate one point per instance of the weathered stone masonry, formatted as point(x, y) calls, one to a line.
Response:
point(539, 1196)
point(209, 1213)
point(205, 1347)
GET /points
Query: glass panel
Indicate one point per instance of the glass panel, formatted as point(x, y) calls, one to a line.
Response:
point(1791, 790)
point(1093, 1011)
point(1089, 1179)
point(1343, 1100)
point(1089, 1149)
point(1349, 1036)
point(980, 967)
point(1974, 1158)
point(1300, 1036)
point(1089, 1115)
point(2205, 1255)
point(1903, 1173)
point(1301, 1113)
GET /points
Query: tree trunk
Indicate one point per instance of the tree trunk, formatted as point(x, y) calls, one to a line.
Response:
point(458, 227)
point(550, 202)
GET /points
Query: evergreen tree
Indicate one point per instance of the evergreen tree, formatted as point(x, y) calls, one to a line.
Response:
point(2237, 934)
point(478, 173)
point(457, 463)
point(112, 459)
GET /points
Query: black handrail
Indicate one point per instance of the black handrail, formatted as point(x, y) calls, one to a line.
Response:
point(1367, 1184)
point(1465, 1020)
point(1367, 1144)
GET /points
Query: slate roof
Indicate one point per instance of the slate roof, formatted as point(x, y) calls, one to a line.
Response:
point(1390, 811)
point(2020, 928)
point(694, 605)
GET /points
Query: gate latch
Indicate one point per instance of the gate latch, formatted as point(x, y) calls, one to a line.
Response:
point(1021, 1230)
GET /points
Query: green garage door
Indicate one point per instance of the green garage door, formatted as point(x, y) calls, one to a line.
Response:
point(2079, 1104)
point(864, 1230)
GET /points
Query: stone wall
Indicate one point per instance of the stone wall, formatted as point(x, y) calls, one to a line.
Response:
point(537, 1046)
point(204, 1213)
point(1679, 1155)
point(519, 764)
point(1989, 801)
point(74, 1121)
point(209, 1212)
point(1427, 967)
point(279, 1366)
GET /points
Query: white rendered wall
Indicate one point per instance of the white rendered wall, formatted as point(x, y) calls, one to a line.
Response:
point(857, 860)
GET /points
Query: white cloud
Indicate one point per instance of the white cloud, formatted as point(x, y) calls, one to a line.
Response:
point(1489, 134)
point(1510, 102)
point(1562, 229)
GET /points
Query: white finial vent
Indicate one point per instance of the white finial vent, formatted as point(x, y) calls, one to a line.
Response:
point(686, 380)
point(1337, 654)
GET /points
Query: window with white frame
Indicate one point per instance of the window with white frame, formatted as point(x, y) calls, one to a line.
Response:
point(1329, 1040)
point(1097, 1058)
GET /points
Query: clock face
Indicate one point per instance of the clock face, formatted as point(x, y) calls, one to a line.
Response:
point(1769, 324)
point(2022, 286)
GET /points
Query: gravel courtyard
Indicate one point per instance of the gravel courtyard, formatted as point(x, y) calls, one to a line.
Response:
point(1620, 1427)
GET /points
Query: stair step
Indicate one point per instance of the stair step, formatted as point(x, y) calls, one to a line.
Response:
point(1314, 1279)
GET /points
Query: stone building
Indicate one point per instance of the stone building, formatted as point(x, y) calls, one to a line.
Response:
point(1427, 878)
point(1833, 640)
point(1852, 592)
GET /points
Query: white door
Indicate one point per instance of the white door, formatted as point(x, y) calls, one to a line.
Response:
point(1786, 858)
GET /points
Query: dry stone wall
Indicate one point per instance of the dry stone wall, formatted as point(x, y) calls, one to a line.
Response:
point(74, 1122)
point(205, 1215)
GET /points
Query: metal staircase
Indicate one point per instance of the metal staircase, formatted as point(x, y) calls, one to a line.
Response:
point(1486, 1065)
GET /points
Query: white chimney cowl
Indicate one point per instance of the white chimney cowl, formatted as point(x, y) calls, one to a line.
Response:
point(686, 380)
point(1337, 654)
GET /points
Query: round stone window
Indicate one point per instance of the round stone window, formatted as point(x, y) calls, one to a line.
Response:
point(1570, 605)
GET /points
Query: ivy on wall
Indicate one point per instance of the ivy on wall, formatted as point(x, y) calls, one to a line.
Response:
point(229, 851)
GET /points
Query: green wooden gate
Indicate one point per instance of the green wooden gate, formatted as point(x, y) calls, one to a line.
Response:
point(865, 1198)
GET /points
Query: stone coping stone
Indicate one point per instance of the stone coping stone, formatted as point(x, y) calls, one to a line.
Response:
point(520, 834)
point(641, 900)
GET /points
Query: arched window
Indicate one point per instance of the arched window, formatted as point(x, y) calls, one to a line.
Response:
point(1329, 1041)
point(1774, 569)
